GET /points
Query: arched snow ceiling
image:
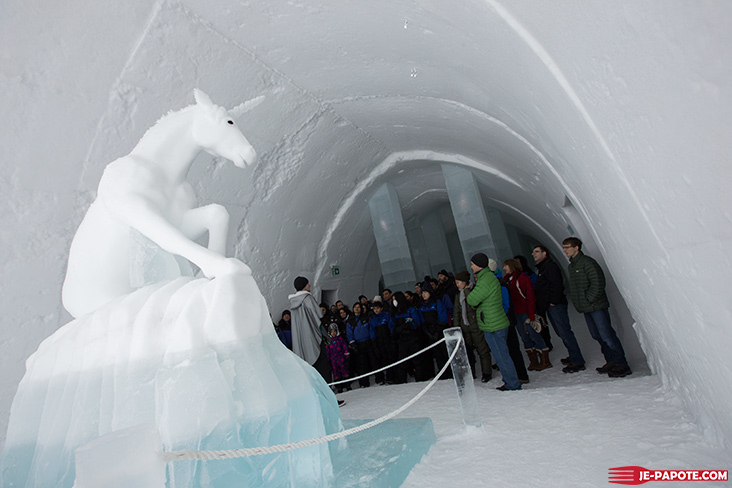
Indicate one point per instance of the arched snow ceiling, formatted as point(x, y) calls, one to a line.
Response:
point(609, 117)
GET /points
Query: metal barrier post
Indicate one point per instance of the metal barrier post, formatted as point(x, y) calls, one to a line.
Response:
point(463, 377)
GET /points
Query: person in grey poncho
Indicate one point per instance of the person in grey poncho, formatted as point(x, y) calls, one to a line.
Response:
point(308, 338)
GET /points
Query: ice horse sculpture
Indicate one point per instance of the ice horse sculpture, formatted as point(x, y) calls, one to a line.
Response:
point(151, 344)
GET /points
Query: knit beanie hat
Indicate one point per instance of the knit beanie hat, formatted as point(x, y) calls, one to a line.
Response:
point(300, 283)
point(480, 260)
point(492, 265)
point(463, 276)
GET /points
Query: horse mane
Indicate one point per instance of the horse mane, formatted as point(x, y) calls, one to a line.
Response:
point(157, 130)
point(150, 133)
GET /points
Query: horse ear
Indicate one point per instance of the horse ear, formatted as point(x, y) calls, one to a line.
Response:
point(202, 98)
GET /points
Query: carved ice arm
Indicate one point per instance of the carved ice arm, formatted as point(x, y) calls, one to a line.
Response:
point(139, 213)
point(212, 218)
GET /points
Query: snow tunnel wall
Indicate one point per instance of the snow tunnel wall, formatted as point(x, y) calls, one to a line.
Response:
point(612, 119)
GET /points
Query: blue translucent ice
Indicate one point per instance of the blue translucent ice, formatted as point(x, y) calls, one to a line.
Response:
point(197, 358)
point(384, 455)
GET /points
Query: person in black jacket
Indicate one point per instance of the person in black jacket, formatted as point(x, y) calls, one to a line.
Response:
point(446, 285)
point(551, 302)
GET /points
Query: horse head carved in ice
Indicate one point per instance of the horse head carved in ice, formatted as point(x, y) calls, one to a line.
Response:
point(146, 194)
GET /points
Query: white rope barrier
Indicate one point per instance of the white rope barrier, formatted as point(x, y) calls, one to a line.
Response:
point(253, 451)
point(348, 380)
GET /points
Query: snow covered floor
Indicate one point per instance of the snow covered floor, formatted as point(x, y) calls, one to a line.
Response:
point(561, 431)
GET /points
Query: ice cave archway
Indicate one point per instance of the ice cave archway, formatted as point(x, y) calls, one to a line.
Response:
point(613, 118)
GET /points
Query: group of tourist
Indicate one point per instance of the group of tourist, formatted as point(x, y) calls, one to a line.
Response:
point(503, 304)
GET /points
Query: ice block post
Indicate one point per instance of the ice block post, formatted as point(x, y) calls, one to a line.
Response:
point(463, 377)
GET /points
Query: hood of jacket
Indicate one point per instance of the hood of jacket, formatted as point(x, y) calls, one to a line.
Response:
point(297, 298)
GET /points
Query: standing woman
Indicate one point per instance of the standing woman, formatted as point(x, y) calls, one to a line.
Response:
point(359, 344)
point(344, 317)
point(524, 307)
point(435, 319)
point(284, 329)
point(408, 332)
point(525, 268)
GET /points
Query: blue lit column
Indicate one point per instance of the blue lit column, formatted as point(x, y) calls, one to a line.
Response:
point(514, 239)
point(436, 243)
point(391, 239)
point(420, 258)
point(499, 234)
point(469, 212)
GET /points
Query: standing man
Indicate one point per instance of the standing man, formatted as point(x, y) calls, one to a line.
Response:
point(386, 300)
point(487, 302)
point(466, 319)
point(446, 285)
point(308, 337)
point(552, 303)
point(587, 291)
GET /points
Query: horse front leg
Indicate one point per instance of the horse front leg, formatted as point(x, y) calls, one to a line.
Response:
point(214, 219)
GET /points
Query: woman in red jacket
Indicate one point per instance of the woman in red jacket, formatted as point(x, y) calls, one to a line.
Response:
point(524, 307)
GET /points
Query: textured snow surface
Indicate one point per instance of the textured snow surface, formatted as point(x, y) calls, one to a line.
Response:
point(550, 435)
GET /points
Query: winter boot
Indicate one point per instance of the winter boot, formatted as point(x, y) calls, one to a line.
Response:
point(545, 363)
point(533, 355)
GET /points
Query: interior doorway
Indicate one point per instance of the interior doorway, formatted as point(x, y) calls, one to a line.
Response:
point(329, 297)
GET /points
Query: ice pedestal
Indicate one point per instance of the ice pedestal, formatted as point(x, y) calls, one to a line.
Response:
point(199, 359)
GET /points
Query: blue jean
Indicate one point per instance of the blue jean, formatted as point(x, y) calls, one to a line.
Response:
point(560, 321)
point(602, 331)
point(530, 338)
point(497, 342)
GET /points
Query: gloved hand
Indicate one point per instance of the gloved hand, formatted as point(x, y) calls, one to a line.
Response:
point(353, 347)
point(537, 323)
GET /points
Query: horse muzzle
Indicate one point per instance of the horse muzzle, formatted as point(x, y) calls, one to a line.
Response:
point(247, 158)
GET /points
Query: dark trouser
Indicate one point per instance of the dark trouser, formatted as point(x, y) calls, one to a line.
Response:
point(375, 361)
point(514, 350)
point(322, 365)
point(498, 344)
point(475, 339)
point(440, 352)
point(362, 360)
point(560, 321)
point(408, 344)
point(471, 357)
point(546, 336)
point(387, 354)
point(602, 331)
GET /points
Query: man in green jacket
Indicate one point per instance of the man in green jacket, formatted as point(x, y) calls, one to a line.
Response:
point(487, 301)
point(464, 316)
point(587, 292)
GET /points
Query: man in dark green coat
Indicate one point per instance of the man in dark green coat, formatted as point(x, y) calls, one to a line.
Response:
point(487, 301)
point(587, 292)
